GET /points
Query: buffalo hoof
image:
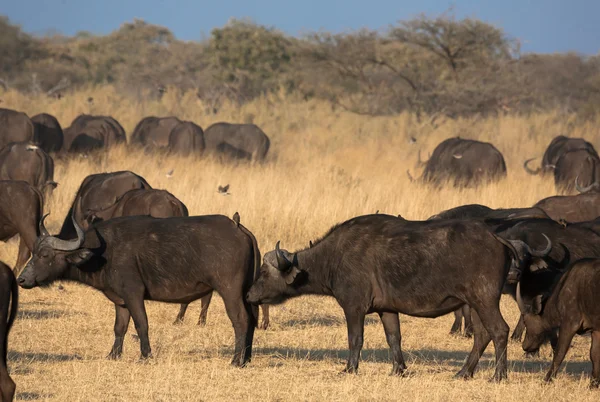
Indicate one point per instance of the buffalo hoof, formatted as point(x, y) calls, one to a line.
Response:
point(497, 378)
point(264, 324)
point(239, 364)
point(146, 359)
point(463, 375)
point(178, 321)
point(349, 370)
point(548, 378)
point(113, 356)
point(595, 383)
point(399, 371)
point(202, 323)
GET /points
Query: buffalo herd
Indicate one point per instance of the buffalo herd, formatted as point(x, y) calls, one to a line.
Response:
point(134, 243)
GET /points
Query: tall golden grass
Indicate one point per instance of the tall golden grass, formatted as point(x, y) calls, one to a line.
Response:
point(324, 166)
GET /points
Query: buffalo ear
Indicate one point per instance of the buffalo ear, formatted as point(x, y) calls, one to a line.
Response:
point(290, 277)
point(536, 307)
point(79, 257)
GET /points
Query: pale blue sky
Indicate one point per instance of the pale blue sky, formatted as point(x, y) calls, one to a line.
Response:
point(542, 25)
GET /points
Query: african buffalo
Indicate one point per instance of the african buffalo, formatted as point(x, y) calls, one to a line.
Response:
point(382, 264)
point(237, 141)
point(154, 132)
point(48, 132)
point(580, 164)
point(572, 308)
point(136, 258)
point(573, 208)
point(21, 208)
point(87, 133)
point(186, 139)
point(557, 147)
point(28, 162)
point(14, 127)
point(494, 218)
point(464, 163)
point(98, 192)
point(9, 297)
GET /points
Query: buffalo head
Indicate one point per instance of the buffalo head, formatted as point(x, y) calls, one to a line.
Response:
point(525, 257)
point(278, 279)
point(52, 257)
point(538, 332)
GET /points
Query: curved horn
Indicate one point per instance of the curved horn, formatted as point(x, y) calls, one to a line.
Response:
point(457, 156)
point(283, 264)
point(528, 169)
point(544, 252)
point(583, 189)
point(67, 245)
point(42, 227)
point(520, 302)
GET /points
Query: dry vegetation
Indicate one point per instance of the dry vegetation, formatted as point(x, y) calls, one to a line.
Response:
point(325, 166)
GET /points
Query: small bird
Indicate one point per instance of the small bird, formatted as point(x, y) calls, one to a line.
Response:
point(90, 100)
point(236, 218)
point(170, 173)
point(412, 140)
point(223, 189)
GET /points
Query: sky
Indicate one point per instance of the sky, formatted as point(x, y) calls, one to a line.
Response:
point(543, 26)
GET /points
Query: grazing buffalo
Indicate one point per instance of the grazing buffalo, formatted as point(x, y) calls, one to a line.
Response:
point(572, 308)
point(237, 141)
point(385, 265)
point(136, 258)
point(98, 192)
point(464, 163)
point(557, 147)
point(581, 165)
point(573, 208)
point(28, 162)
point(87, 133)
point(48, 132)
point(14, 127)
point(21, 207)
point(186, 139)
point(154, 132)
point(9, 302)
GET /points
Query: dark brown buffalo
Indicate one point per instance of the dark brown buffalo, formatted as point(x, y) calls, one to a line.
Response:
point(573, 208)
point(494, 218)
point(96, 193)
point(572, 308)
point(175, 260)
point(9, 302)
point(87, 133)
point(385, 265)
point(154, 132)
point(557, 147)
point(464, 163)
point(187, 139)
point(237, 141)
point(48, 132)
point(581, 165)
point(21, 207)
point(28, 162)
point(14, 127)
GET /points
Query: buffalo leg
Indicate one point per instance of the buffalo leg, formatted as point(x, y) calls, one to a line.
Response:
point(140, 319)
point(264, 323)
point(205, 302)
point(355, 320)
point(122, 317)
point(243, 326)
point(518, 331)
point(565, 336)
point(391, 326)
point(481, 340)
point(466, 311)
point(22, 256)
point(181, 314)
point(595, 358)
point(457, 325)
point(7, 385)
point(498, 329)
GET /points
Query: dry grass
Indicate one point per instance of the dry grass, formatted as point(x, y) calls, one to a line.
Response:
point(325, 166)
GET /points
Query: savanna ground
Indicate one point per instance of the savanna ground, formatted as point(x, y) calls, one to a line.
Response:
point(324, 166)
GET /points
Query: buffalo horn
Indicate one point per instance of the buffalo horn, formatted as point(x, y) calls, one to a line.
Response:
point(583, 189)
point(67, 245)
point(283, 264)
point(42, 227)
point(528, 169)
